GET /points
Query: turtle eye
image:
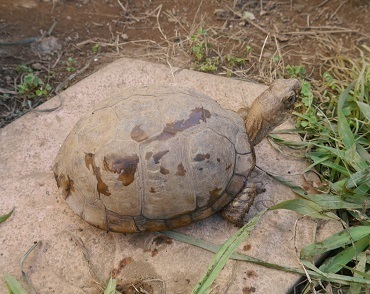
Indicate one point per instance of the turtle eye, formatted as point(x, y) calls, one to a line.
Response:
point(291, 98)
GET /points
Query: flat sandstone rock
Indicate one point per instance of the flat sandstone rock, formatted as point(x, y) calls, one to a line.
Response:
point(75, 257)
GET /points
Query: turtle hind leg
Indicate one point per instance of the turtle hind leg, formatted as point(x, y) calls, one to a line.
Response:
point(236, 210)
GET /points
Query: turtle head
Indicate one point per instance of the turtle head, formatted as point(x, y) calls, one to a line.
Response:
point(271, 108)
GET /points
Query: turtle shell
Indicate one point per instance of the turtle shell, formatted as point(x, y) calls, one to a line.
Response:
point(153, 158)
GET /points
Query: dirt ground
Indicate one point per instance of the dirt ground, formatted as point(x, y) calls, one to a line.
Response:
point(61, 42)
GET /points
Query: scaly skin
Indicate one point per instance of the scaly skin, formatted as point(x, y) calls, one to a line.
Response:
point(271, 108)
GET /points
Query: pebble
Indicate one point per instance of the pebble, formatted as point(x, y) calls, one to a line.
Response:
point(36, 66)
point(242, 23)
point(27, 4)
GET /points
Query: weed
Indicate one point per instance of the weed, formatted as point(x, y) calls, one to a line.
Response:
point(235, 61)
point(296, 71)
point(70, 64)
point(33, 86)
point(199, 45)
point(95, 48)
point(209, 65)
point(23, 69)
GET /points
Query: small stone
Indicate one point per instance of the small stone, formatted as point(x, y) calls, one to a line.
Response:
point(263, 12)
point(28, 4)
point(36, 66)
point(242, 23)
point(248, 15)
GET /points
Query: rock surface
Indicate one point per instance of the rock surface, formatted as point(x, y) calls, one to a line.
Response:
point(75, 257)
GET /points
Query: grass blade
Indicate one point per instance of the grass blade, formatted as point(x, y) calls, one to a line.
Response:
point(345, 131)
point(296, 189)
point(336, 241)
point(111, 286)
point(335, 263)
point(224, 254)
point(215, 248)
point(343, 96)
point(3, 218)
point(358, 271)
point(354, 159)
point(13, 285)
point(365, 109)
point(330, 201)
point(289, 143)
point(306, 208)
point(358, 178)
point(312, 267)
point(24, 275)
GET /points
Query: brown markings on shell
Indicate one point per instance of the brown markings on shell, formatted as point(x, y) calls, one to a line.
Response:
point(138, 134)
point(181, 171)
point(152, 190)
point(201, 157)
point(213, 194)
point(71, 185)
point(218, 160)
point(57, 179)
point(158, 156)
point(101, 186)
point(125, 167)
point(66, 183)
point(228, 167)
point(197, 115)
point(164, 171)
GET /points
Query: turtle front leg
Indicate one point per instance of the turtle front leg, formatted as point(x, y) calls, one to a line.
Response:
point(236, 210)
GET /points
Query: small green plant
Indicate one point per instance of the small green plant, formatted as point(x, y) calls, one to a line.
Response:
point(95, 48)
point(33, 86)
point(23, 69)
point(209, 65)
point(199, 45)
point(234, 61)
point(296, 71)
point(70, 64)
point(200, 51)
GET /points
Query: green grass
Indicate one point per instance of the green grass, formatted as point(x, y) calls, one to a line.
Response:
point(4, 217)
point(333, 118)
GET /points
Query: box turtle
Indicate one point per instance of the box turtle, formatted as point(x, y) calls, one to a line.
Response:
point(159, 157)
